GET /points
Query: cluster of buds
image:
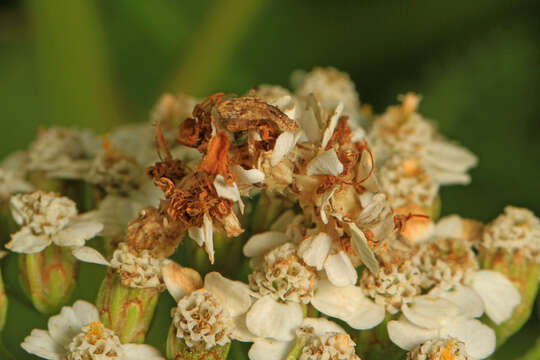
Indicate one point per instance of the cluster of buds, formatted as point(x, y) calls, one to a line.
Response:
point(335, 210)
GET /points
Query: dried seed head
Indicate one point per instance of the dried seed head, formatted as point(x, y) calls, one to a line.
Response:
point(329, 346)
point(95, 342)
point(284, 276)
point(154, 232)
point(137, 269)
point(43, 213)
point(517, 230)
point(445, 262)
point(201, 321)
point(439, 349)
point(393, 285)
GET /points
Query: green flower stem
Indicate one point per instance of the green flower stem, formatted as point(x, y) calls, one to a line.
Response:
point(523, 273)
point(3, 303)
point(375, 343)
point(125, 310)
point(178, 350)
point(49, 277)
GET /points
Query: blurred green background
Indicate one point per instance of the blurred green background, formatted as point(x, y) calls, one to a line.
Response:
point(97, 64)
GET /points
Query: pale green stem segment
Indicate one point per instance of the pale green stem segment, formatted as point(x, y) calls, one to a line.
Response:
point(221, 30)
point(125, 310)
point(3, 303)
point(177, 349)
point(49, 277)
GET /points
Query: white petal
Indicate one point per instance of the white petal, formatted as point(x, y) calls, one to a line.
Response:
point(347, 303)
point(89, 255)
point(204, 236)
point(431, 312)
point(41, 344)
point(77, 232)
point(251, 176)
point(322, 326)
point(361, 247)
point(464, 297)
point(259, 244)
point(407, 335)
point(325, 200)
point(449, 226)
point(64, 326)
point(283, 221)
point(326, 163)
point(240, 331)
point(180, 280)
point(227, 191)
point(268, 318)
point(314, 249)
point(340, 270)
point(451, 157)
point(197, 234)
point(479, 339)
point(25, 242)
point(284, 143)
point(331, 126)
point(86, 312)
point(499, 294)
point(233, 295)
point(270, 350)
point(141, 352)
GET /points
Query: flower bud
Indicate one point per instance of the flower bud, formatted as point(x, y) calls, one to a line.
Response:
point(49, 277)
point(125, 310)
point(176, 348)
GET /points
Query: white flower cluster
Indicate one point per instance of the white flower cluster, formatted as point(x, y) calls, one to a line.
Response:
point(360, 244)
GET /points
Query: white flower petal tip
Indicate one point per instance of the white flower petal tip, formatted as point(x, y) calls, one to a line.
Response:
point(498, 293)
point(259, 244)
point(464, 297)
point(326, 163)
point(284, 143)
point(431, 312)
point(180, 280)
point(361, 247)
point(314, 249)
point(89, 255)
point(77, 232)
point(25, 242)
point(269, 319)
point(249, 177)
point(141, 352)
point(331, 126)
point(41, 344)
point(227, 191)
point(233, 295)
point(480, 340)
point(269, 350)
point(322, 326)
point(340, 270)
point(407, 335)
point(86, 312)
point(204, 236)
point(349, 304)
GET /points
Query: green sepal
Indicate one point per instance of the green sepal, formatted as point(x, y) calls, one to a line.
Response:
point(297, 349)
point(375, 343)
point(49, 277)
point(125, 310)
point(523, 273)
point(177, 349)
